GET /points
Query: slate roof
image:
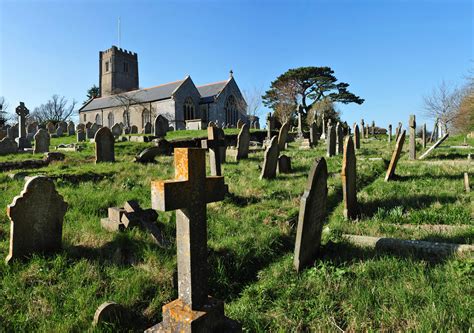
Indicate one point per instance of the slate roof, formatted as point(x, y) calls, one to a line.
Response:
point(157, 93)
point(208, 91)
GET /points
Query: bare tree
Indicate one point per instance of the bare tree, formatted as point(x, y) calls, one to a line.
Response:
point(54, 110)
point(286, 100)
point(443, 103)
point(126, 100)
point(4, 115)
point(253, 100)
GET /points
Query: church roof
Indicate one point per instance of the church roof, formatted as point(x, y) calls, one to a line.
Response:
point(156, 93)
point(208, 91)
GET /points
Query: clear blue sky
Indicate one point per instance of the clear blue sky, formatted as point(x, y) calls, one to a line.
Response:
point(390, 52)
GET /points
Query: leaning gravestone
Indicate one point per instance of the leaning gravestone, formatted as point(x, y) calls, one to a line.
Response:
point(395, 157)
point(331, 141)
point(283, 135)
point(42, 141)
point(311, 216)
point(189, 193)
point(412, 143)
point(104, 145)
point(243, 142)
point(437, 143)
point(81, 135)
point(357, 137)
point(147, 128)
point(284, 164)
point(271, 160)
point(8, 146)
point(116, 130)
point(348, 176)
point(161, 126)
point(36, 217)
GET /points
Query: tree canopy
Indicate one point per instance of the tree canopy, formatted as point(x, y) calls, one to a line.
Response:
point(92, 92)
point(308, 86)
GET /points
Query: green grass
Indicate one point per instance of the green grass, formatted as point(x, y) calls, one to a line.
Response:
point(251, 240)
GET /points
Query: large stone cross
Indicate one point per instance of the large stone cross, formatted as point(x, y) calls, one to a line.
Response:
point(22, 112)
point(189, 193)
point(215, 142)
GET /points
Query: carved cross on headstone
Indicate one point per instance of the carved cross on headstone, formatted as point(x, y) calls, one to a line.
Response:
point(189, 193)
point(215, 142)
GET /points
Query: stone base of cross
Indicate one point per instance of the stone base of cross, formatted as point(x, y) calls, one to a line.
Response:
point(189, 193)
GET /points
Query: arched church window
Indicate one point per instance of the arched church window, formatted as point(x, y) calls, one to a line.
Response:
point(126, 118)
point(146, 117)
point(110, 119)
point(231, 112)
point(98, 119)
point(188, 109)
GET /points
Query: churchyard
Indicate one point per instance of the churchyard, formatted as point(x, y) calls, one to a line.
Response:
point(251, 231)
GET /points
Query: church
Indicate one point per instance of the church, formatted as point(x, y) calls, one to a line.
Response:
point(185, 105)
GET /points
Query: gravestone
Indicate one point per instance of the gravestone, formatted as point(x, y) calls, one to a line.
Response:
point(305, 144)
point(36, 217)
point(423, 136)
point(311, 216)
point(412, 144)
point(284, 164)
point(216, 144)
point(81, 127)
point(395, 157)
point(161, 126)
point(88, 124)
point(390, 133)
point(367, 132)
point(243, 142)
point(59, 131)
point(12, 132)
point(81, 135)
point(240, 123)
point(41, 141)
point(32, 128)
point(63, 126)
point(362, 128)
point(372, 128)
point(148, 155)
point(147, 128)
point(22, 112)
point(437, 143)
point(133, 129)
point(189, 193)
point(467, 186)
point(357, 137)
point(270, 160)
point(111, 313)
point(313, 134)
point(348, 176)
point(8, 146)
point(104, 146)
point(92, 130)
point(211, 124)
point(116, 130)
point(51, 128)
point(283, 135)
point(339, 139)
point(331, 141)
point(71, 129)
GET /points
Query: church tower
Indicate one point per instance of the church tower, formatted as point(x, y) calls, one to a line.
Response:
point(118, 71)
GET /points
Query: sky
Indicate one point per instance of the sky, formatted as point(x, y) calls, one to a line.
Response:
point(391, 52)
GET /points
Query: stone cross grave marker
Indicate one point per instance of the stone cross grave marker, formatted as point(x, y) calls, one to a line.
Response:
point(284, 164)
point(161, 126)
point(311, 216)
point(412, 143)
point(188, 194)
point(283, 135)
point(348, 177)
point(395, 156)
point(270, 160)
point(437, 143)
point(215, 142)
point(331, 141)
point(41, 141)
point(313, 134)
point(339, 139)
point(104, 146)
point(357, 137)
point(22, 112)
point(36, 217)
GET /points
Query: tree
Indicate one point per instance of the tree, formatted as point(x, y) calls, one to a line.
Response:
point(92, 92)
point(54, 110)
point(464, 117)
point(443, 103)
point(308, 86)
point(125, 100)
point(253, 100)
point(4, 115)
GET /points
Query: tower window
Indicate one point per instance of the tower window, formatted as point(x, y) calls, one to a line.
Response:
point(106, 66)
point(125, 67)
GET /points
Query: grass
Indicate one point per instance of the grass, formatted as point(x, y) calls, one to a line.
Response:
point(251, 240)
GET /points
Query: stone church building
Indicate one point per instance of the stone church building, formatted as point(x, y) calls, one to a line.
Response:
point(183, 103)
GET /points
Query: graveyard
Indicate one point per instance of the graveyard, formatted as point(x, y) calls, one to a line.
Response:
point(251, 236)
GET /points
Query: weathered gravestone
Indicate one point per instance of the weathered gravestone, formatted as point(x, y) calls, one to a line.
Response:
point(8, 146)
point(63, 126)
point(91, 131)
point(412, 143)
point(357, 137)
point(395, 157)
point(104, 146)
point(148, 155)
point(36, 217)
point(32, 128)
point(437, 143)
point(116, 130)
point(216, 144)
point(88, 124)
point(51, 128)
point(59, 131)
point(362, 128)
point(270, 161)
point(423, 136)
point(81, 127)
point(81, 135)
point(133, 129)
point(348, 177)
point(243, 142)
point(147, 128)
point(189, 193)
point(339, 139)
point(331, 141)
point(299, 111)
point(372, 128)
point(41, 141)
point(71, 129)
point(283, 135)
point(284, 164)
point(161, 126)
point(313, 134)
point(311, 216)
point(111, 313)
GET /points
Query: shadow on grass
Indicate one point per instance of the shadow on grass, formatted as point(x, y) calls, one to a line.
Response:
point(465, 237)
point(428, 176)
point(370, 208)
point(447, 156)
point(240, 201)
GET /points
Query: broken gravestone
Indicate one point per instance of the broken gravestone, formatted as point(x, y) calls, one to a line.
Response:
point(311, 216)
point(36, 217)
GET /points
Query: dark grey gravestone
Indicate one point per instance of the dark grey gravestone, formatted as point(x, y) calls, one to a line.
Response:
point(81, 135)
point(116, 130)
point(390, 133)
point(161, 126)
point(331, 141)
point(71, 129)
point(412, 144)
point(104, 146)
point(313, 134)
point(243, 142)
point(423, 136)
point(348, 176)
point(357, 137)
point(284, 164)
point(311, 216)
point(339, 139)
point(8, 146)
point(134, 129)
point(215, 142)
point(147, 128)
